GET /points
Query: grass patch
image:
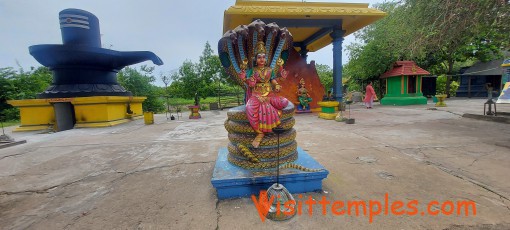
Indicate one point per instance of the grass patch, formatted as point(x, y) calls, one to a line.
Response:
point(10, 123)
point(182, 101)
point(182, 104)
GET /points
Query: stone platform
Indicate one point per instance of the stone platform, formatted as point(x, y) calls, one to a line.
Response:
point(231, 181)
point(85, 112)
point(162, 172)
point(404, 100)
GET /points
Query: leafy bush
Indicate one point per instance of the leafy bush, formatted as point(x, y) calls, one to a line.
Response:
point(354, 87)
point(139, 82)
point(10, 114)
point(325, 76)
point(18, 85)
point(441, 86)
point(204, 107)
point(154, 104)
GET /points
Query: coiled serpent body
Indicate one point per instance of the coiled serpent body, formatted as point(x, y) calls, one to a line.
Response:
point(241, 134)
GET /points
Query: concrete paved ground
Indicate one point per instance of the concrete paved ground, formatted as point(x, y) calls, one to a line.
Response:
point(136, 176)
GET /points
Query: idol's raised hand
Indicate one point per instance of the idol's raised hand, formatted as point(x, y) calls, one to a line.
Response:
point(242, 75)
point(284, 74)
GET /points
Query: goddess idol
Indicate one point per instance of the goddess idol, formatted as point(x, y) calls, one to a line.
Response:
point(263, 107)
point(254, 57)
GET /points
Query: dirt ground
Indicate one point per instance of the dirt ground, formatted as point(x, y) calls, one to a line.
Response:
point(137, 176)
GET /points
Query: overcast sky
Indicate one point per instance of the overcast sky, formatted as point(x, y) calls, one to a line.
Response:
point(174, 30)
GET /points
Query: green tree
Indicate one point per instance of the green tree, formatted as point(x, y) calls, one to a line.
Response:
point(19, 85)
point(139, 82)
point(436, 34)
point(165, 92)
point(325, 76)
point(188, 80)
point(456, 30)
point(26, 84)
point(441, 86)
point(379, 45)
point(176, 87)
point(211, 69)
point(5, 90)
point(200, 78)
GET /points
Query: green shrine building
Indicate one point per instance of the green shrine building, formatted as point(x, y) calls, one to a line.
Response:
point(404, 82)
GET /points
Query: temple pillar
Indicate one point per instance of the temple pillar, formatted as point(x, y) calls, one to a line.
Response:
point(338, 38)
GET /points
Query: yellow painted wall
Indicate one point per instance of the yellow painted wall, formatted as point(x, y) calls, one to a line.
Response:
point(36, 114)
point(117, 111)
point(136, 106)
point(91, 113)
point(105, 108)
point(100, 111)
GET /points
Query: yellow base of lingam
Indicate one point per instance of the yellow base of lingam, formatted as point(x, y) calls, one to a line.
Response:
point(89, 112)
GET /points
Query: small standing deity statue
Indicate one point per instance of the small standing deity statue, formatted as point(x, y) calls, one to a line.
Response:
point(263, 107)
point(303, 97)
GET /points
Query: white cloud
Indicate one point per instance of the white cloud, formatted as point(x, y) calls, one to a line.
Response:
point(175, 30)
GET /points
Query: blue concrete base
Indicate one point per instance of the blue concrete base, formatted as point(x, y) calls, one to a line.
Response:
point(231, 181)
point(303, 111)
point(300, 109)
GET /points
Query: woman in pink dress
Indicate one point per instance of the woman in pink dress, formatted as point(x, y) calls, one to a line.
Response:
point(369, 96)
point(263, 107)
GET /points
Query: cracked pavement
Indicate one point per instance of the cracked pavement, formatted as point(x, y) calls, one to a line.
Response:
point(136, 176)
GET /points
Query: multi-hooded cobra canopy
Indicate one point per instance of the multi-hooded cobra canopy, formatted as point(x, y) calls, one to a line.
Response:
point(309, 22)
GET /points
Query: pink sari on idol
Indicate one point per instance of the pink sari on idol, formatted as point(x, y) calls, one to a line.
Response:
point(263, 107)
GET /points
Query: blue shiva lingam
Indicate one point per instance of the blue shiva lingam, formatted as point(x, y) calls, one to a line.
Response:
point(81, 68)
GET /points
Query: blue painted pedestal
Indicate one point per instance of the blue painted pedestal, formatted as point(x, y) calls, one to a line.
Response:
point(300, 109)
point(231, 181)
